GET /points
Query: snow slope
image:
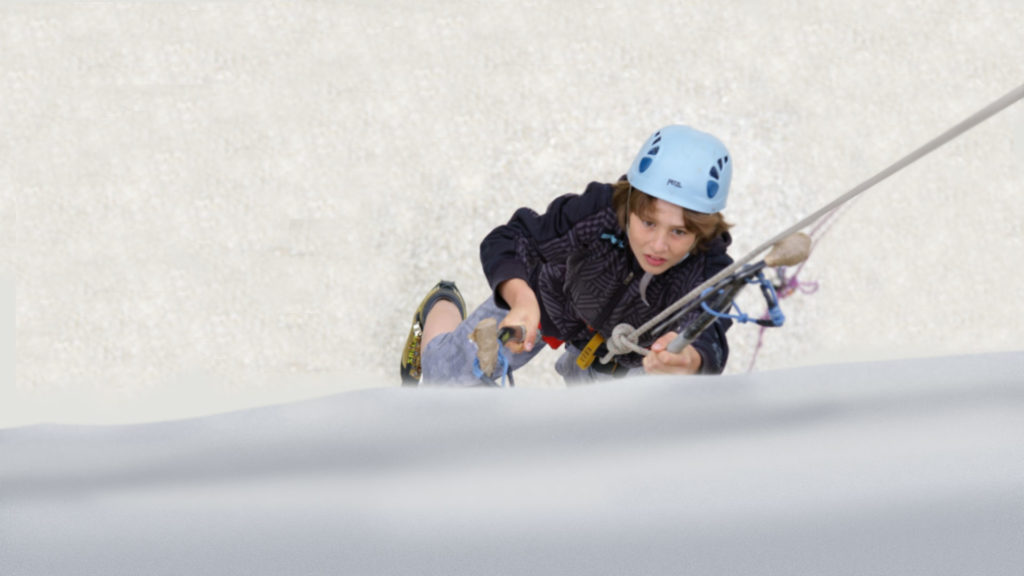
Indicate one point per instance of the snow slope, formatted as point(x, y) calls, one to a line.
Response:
point(886, 468)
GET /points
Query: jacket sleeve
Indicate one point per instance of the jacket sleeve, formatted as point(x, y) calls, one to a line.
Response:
point(712, 344)
point(506, 251)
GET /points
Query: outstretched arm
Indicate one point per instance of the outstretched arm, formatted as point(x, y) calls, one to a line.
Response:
point(523, 311)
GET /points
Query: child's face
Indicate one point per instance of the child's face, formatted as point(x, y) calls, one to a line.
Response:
point(659, 239)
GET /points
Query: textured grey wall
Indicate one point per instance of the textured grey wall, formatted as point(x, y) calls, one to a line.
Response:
point(225, 203)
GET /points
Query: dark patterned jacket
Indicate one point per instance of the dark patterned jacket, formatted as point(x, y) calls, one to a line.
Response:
point(577, 260)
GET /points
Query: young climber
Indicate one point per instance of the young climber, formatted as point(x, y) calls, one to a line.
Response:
point(617, 253)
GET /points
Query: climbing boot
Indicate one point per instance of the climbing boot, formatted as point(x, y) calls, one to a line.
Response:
point(410, 364)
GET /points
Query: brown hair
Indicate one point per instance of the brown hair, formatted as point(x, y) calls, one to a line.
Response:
point(705, 227)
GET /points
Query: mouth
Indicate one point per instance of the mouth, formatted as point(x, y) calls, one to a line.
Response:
point(653, 261)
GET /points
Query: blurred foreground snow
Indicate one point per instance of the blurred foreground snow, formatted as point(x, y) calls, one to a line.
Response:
point(899, 467)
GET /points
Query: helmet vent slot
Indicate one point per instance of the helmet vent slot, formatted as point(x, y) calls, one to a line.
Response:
point(712, 188)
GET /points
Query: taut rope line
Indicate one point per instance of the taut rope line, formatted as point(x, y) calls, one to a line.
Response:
point(624, 337)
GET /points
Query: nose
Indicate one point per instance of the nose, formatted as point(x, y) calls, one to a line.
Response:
point(660, 241)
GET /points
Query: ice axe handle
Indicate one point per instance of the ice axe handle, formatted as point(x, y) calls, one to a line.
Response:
point(680, 342)
point(512, 334)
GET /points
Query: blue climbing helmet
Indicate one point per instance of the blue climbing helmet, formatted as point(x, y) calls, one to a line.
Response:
point(686, 167)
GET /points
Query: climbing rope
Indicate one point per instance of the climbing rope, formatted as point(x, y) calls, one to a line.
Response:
point(625, 338)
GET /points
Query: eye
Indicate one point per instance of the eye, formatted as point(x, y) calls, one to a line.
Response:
point(647, 223)
point(680, 232)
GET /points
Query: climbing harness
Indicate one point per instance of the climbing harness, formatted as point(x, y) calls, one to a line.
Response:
point(624, 338)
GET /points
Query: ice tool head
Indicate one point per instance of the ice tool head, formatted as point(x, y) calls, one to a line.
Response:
point(684, 166)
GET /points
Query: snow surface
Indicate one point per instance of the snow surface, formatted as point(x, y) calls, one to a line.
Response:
point(884, 468)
